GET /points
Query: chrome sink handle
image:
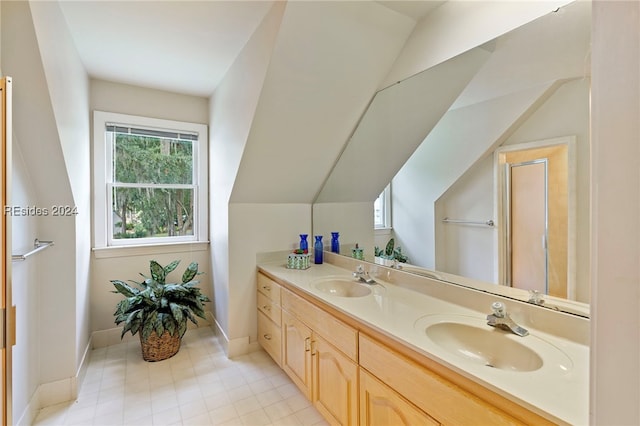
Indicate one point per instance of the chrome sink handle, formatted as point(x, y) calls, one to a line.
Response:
point(499, 310)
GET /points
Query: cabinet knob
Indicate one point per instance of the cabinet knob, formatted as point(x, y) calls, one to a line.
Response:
point(266, 287)
point(266, 307)
point(267, 336)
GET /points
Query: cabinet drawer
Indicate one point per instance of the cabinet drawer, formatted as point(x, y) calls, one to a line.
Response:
point(441, 399)
point(269, 288)
point(269, 337)
point(269, 308)
point(382, 406)
point(339, 334)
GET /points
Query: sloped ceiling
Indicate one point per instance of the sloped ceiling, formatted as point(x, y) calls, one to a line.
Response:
point(176, 46)
point(328, 60)
point(395, 125)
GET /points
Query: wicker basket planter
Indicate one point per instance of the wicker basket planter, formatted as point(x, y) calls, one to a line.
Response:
point(159, 310)
point(159, 348)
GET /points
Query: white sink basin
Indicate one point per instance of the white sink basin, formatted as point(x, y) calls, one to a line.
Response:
point(471, 340)
point(342, 287)
point(487, 347)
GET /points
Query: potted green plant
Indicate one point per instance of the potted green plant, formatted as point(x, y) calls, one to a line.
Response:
point(391, 253)
point(158, 310)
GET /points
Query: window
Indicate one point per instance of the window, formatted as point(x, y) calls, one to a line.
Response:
point(150, 180)
point(382, 209)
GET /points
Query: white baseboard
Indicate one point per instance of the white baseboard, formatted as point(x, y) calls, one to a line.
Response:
point(235, 347)
point(53, 393)
point(84, 363)
point(48, 394)
point(30, 412)
point(111, 336)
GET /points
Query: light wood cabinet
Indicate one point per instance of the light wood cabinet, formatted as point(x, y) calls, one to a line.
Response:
point(335, 383)
point(270, 337)
point(438, 397)
point(353, 374)
point(382, 406)
point(269, 317)
point(311, 357)
point(336, 332)
point(296, 352)
point(268, 287)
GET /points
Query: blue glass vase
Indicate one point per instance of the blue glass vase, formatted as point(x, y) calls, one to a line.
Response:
point(335, 243)
point(317, 250)
point(303, 243)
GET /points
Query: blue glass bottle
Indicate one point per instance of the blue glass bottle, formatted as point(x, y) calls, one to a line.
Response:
point(335, 243)
point(303, 243)
point(317, 250)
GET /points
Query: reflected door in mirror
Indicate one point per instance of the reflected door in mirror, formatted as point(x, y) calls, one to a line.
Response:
point(528, 219)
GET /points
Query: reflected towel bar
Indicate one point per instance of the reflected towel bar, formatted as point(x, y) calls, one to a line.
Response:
point(37, 246)
point(468, 222)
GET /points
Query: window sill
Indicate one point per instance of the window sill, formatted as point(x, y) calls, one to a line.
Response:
point(383, 231)
point(149, 249)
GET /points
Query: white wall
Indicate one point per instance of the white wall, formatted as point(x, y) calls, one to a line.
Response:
point(42, 146)
point(354, 222)
point(469, 251)
point(68, 86)
point(231, 111)
point(135, 100)
point(256, 228)
point(615, 204)
point(125, 263)
point(26, 290)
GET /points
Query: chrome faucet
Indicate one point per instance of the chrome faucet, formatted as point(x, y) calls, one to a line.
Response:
point(501, 319)
point(363, 276)
point(396, 264)
point(535, 297)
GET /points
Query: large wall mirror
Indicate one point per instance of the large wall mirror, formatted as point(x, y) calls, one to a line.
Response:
point(487, 157)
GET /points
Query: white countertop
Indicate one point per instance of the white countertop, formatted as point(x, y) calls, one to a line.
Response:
point(560, 393)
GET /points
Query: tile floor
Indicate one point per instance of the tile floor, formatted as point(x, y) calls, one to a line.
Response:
point(197, 386)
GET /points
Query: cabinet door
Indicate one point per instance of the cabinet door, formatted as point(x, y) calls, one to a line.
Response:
point(381, 406)
point(335, 383)
point(296, 352)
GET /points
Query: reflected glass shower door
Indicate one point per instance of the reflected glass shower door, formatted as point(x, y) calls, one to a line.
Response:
point(528, 251)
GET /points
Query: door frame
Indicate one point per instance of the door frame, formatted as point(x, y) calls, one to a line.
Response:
point(508, 281)
point(500, 209)
point(7, 319)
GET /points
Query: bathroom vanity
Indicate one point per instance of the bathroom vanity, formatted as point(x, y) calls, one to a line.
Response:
point(400, 351)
